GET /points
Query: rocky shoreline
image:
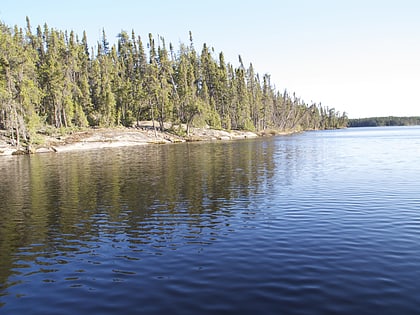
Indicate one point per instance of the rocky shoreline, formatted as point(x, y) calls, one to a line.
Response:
point(143, 134)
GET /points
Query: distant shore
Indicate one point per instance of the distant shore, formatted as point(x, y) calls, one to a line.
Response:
point(93, 139)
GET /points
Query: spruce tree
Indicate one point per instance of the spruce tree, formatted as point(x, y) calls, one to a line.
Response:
point(165, 96)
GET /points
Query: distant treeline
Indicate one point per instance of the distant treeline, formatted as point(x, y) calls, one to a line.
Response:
point(384, 121)
point(52, 79)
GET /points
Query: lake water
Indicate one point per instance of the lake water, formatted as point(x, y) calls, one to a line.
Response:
point(313, 223)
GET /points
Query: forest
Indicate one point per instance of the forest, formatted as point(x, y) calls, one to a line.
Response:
point(52, 79)
point(384, 121)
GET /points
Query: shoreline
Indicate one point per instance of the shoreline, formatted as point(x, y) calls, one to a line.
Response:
point(144, 134)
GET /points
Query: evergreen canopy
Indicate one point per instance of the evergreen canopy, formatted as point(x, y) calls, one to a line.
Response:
point(52, 78)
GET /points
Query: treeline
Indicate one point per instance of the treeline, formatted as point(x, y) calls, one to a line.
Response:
point(51, 78)
point(384, 121)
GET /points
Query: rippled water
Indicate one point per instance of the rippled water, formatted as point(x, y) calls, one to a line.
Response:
point(314, 223)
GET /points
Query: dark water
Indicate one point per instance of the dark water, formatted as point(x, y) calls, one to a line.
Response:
point(315, 223)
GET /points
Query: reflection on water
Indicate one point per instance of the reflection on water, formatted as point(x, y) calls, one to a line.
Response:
point(320, 222)
point(133, 201)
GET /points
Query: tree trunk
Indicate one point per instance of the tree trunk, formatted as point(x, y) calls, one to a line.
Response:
point(153, 118)
point(162, 116)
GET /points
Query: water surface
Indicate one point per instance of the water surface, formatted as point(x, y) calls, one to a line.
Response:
point(314, 223)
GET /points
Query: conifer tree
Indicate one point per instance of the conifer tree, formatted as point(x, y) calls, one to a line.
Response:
point(53, 78)
point(30, 93)
point(222, 93)
point(165, 95)
point(82, 93)
point(11, 67)
point(123, 84)
point(151, 81)
point(241, 105)
point(188, 87)
point(140, 63)
point(102, 95)
point(209, 74)
point(254, 92)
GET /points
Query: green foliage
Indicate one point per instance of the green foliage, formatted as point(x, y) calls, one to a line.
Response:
point(49, 79)
point(384, 121)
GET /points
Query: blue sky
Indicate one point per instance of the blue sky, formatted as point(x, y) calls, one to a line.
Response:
point(358, 56)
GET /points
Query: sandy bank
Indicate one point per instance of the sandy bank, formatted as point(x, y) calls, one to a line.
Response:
point(119, 137)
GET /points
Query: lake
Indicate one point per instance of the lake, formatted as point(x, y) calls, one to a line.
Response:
point(313, 223)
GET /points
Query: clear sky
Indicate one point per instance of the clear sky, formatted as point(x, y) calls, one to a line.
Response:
point(358, 56)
